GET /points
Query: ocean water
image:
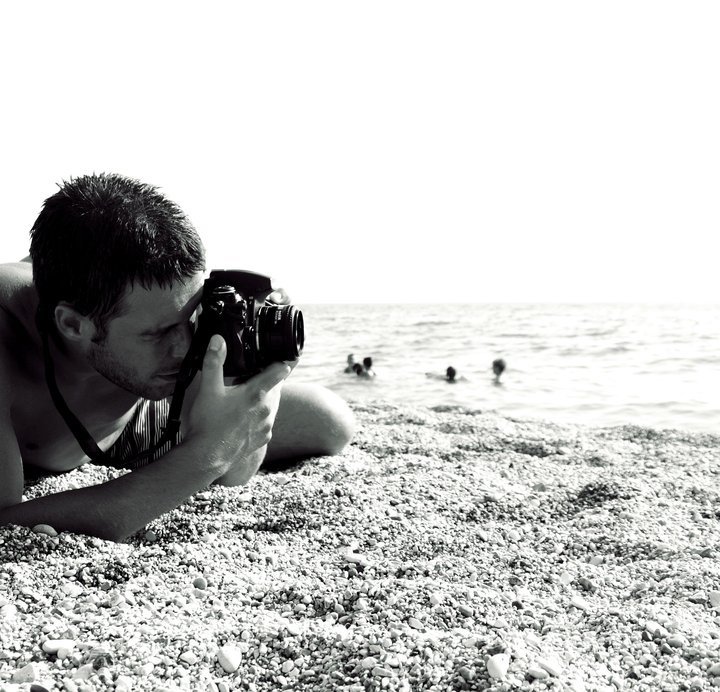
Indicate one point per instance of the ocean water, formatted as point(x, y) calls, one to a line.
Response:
point(650, 365)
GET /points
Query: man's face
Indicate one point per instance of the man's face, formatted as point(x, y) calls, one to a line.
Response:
point(144, 346)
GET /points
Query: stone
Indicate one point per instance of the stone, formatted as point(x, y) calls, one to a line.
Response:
point(579, 602)
point(54, 646)
point(538, 673)
point(229, 658)
point(84, 672)
point(189, 657)
point(27, 673)
point(497, 666)
point(552, 666)
point(466, 673)
point(123, 684)
point(381, 672)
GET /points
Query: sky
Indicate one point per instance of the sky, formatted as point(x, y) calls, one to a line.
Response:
point(389, 151)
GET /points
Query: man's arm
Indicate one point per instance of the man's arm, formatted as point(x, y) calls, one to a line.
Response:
point(118, 508)
point(216, 441)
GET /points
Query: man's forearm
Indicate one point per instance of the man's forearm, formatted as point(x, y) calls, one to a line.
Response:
point(118, 508)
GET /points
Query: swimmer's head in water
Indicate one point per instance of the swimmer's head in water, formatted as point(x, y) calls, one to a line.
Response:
point(367, 362)
point(351, 359)
point(498, 366)
point(450, 373)
point(357, 368)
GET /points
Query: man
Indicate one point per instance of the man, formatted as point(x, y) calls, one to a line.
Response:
point(116, 278)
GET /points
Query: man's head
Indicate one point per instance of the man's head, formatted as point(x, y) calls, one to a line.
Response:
point(101, 235)
point(118, 271)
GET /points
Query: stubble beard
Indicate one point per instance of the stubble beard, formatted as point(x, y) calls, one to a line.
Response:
point(121, 375)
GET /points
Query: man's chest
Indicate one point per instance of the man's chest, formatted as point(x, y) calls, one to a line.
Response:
point(43, 436)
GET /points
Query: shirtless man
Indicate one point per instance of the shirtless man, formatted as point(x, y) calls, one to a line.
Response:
point(117, 274)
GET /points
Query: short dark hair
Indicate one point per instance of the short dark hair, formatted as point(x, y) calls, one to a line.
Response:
point(101, 233)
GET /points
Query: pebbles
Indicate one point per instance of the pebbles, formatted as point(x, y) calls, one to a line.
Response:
point(437, 565)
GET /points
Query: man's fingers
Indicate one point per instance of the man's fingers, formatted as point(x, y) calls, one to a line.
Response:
point(272, 376)
point(279, 296)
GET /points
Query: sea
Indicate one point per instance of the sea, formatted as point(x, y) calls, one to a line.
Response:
point(594, 364)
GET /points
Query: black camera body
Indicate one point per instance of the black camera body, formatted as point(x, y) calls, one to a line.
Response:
point(256, 332)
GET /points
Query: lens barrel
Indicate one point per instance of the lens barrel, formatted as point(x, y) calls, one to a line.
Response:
point(280, 333)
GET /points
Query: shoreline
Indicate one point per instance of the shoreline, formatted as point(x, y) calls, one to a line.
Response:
point(444, 549)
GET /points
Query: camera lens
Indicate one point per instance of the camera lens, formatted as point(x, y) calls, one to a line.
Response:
point(280, 333)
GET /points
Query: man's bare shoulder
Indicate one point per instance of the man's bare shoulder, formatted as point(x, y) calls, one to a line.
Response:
point(18, 299)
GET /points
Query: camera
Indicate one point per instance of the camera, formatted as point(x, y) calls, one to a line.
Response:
point(234, 304)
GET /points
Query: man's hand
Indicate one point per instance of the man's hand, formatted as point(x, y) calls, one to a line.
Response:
point(279, 297)
point(234, 422)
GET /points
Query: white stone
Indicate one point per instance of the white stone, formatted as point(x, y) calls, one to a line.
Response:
point(53, 646)
point(551, 665)
point(8, 612)
point(123, 684)
point(189, 657)
point(229, 658)
point(538, 673)
point(497, 666)
point(84, 672)
point(71, 589)
point(714, 598)
point(579, 602)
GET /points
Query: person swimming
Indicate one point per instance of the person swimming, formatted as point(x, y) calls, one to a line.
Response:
point(498, 367)
point(360, 371)
point(451, 375)
point(350, 363)
point(368, 367)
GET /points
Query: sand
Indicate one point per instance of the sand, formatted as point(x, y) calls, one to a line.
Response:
point(445, 549)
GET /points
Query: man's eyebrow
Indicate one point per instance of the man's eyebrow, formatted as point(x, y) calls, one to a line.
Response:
point(195, 304)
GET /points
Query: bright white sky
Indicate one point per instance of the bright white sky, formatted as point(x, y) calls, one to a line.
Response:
point(389, 151)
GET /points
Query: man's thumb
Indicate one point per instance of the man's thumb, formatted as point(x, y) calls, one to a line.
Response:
point(215, 354)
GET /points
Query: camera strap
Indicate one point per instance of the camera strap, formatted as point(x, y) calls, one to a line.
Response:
point(83, 437)
point(85, 440)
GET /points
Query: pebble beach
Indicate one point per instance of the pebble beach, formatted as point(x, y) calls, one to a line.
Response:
point(445, 549)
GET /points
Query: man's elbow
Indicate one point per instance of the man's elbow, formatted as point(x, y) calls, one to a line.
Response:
point(337, 436)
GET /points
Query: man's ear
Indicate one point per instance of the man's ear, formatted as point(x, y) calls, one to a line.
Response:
point(72, 324)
